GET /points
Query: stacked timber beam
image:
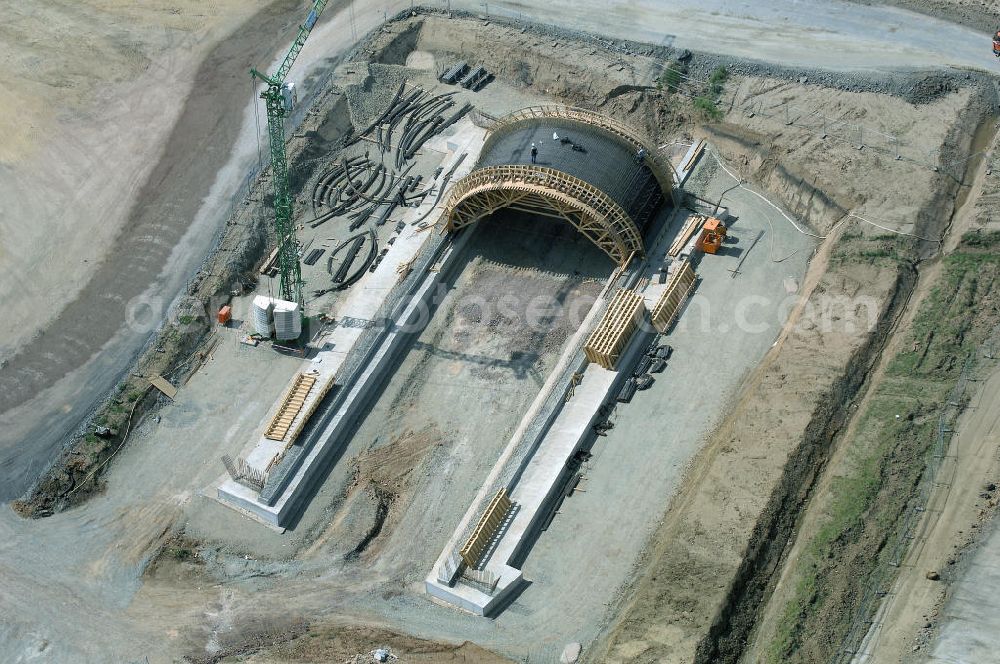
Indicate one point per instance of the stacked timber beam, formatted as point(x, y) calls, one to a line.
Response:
point(488, 526)
point(693, 223)
point(681, 282)
point(298, 406)
point(616, 328)
point(290, 407)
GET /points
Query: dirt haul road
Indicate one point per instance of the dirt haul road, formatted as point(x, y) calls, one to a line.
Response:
point(801, 33)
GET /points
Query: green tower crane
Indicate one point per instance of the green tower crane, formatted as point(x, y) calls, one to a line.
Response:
point(277, 98)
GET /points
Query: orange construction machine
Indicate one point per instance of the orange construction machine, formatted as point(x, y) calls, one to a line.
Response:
point(996, 44)
point(712, 235)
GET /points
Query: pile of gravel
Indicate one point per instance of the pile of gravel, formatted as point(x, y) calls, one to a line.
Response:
point(369, 100)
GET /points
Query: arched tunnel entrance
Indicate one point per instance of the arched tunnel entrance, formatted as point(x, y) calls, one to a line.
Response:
point(548, 193)
point(569, 164)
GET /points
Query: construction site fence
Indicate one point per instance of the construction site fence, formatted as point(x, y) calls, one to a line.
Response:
point(878, 588)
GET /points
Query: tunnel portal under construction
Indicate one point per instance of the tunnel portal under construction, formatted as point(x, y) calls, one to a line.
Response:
point(587, 169)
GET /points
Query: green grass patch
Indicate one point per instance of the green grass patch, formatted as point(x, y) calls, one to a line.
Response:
point(717, 80)
point(981, 240)
point(943, 330)
point(179, 553)
point(855, 247)
point(708, 109)
point(671, 79)
point(884, 462)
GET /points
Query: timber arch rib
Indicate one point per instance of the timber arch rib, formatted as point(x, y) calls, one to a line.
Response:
point(588, 174)
point(548, 192)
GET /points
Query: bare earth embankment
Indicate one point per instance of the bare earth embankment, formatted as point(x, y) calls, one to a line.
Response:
point(888, 457)
point(711, 563)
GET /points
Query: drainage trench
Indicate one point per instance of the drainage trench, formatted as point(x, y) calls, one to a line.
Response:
point(728, 638)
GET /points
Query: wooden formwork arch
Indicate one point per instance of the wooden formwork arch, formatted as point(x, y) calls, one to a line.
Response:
point(549, 192)
point(661, 169)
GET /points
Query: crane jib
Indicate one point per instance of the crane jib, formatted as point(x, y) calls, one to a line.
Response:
point(290, 282)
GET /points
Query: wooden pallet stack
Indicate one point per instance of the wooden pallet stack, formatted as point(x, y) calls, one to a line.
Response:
point(494, 516)
point(612, 334)
point(693, 223)
point(681, 282)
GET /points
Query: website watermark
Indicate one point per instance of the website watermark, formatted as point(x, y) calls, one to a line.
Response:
point(539, 314)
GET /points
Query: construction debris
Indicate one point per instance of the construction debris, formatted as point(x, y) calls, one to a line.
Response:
point(244, 473)
point(161, 383)
point(619, 323)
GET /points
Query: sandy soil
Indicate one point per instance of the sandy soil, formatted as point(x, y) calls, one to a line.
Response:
point(84, 124)
point(154, 91)
point(354, 645)
point(698, 551)
point(826, 124)
point(784, 588)
point(907, 618)
point(700, 545)
point(256, 568)
point(954, 518)
point(106, 104)
point(981, 15)
point(827, 34)
point(911, 604)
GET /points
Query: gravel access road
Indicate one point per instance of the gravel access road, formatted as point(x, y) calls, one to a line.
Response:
point(800, 33)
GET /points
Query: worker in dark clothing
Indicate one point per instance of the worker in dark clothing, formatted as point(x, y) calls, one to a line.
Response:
point(534, 153)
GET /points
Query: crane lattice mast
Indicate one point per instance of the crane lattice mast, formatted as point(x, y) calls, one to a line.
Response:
point(278, 104)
